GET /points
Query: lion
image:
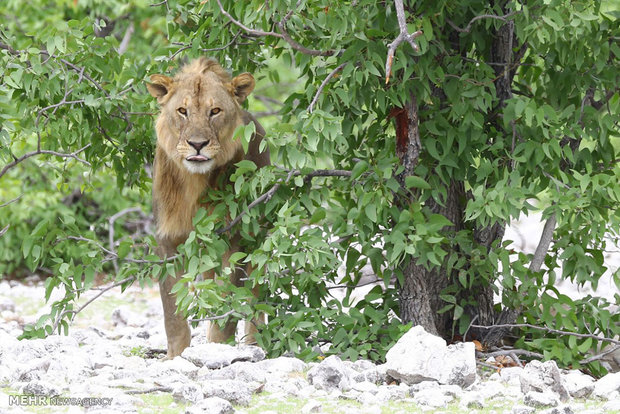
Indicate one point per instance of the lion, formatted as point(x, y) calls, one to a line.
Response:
point(200, 108)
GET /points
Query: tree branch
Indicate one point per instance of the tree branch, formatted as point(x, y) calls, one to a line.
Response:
point(11, 201)
point(550, 330)
point(543, 245)
point(323, 84)
point(282, 35)
point(402, 37)
point(267, 196)
point(57, 154)
point(503, 18)
point(91, 300)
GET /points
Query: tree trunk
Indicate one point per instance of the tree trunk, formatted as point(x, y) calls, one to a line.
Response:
point(419, 292)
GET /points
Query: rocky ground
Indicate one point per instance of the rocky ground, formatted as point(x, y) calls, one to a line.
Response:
point(106, 365)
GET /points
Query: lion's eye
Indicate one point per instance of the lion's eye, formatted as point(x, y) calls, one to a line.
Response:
point(215, 111)
point(182, 111)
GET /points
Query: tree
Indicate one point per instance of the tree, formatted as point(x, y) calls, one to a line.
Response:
point(408, 136)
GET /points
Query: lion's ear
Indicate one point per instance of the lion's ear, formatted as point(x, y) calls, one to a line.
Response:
point(160, 86)
point(243, 85)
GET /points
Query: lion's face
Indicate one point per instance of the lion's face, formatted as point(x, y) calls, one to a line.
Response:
point(200, 109)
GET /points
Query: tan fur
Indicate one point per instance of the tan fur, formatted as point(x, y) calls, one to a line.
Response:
point(200, 110)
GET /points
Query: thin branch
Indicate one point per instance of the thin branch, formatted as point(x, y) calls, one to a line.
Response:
point(503, 18)
point(543, 245)
point(213, 318)
point(323, 84)
point(11, 201)
point(509, 352)
point(402, 37)
point(57, 154)
point(601, 355)
point(122, 48)
point(282, 35)
point(550, 330)
point(245, 28)
point(91, 300)
point(301, 48)
point(4, 230)
point(267, 196)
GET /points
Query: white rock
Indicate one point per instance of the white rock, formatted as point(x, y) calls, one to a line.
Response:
point(236, 392)
point(282, 365)
point(578, 384)
point(543, 377)
point(365, 386)
point(391, 393)
point(41, 388)
point(608, 387)
point(564, 409)
point(331, 374)
point(432, 397)
point(211, 405)
point(178, 365)
point(611, 406)
point(189, 392)
point(419, 356)
point(541, 399)
point(471, 401)
point(376, 375)
point(312, 406)
point(521, 409)
point(123, 316)
point(215, 356)
point(508, 375)
point(242, 371)
point(6, 304)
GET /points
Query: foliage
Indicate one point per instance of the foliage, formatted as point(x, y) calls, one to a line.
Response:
point(554, 139)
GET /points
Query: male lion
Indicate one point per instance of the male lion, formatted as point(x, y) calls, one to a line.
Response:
point(200, 110)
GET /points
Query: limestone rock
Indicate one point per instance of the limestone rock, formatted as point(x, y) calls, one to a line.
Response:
point(211, 405)
point(540, 399)
point(578, 384)
point(236, 392)
point(543, 377)
point(419, 356)
point(608, 387)
point(331, 374)
point(215, 356)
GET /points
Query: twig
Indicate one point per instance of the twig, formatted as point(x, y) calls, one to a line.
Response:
point(550, 330)
point(122, 48)
point(543, 244)
point(601, 355)
point(267, 196)
point(515, 352)
point(245, 28)
point(11, 201)
point(402, 37)
point(57, 154)
point(323, 84)
point(503, 18)
point(4, 230)
point(282, 35)
point(213, 318)
point(91, 300)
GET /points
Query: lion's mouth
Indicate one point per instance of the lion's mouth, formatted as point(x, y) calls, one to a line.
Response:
point(198, 158)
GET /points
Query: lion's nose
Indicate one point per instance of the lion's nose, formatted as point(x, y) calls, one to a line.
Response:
point(198, 145)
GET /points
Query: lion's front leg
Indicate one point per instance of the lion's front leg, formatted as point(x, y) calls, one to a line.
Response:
point(177, 329)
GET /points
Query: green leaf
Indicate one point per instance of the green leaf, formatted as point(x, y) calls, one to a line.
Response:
point(413, 181)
